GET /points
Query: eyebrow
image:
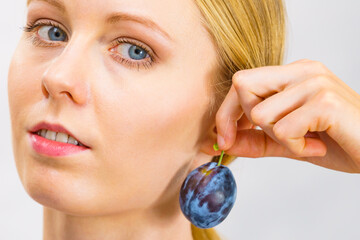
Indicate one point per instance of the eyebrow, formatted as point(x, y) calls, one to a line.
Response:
point(55, 3)
point(114, 18)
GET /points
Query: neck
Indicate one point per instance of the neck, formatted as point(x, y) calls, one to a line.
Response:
point(132, 225)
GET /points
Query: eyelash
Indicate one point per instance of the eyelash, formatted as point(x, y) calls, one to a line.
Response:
point(30, 27)
point(37, 41)
point(145, 64)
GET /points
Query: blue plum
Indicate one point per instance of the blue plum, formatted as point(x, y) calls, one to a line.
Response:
point(208, 194)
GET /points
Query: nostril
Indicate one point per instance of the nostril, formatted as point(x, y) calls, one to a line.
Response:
point(44, 90)
point(68, 94)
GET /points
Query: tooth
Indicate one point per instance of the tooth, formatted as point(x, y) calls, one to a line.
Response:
point(72, 140)
point(62, 137)
point(43, 132)
point(50, 135)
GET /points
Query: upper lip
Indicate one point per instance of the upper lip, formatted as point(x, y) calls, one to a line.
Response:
point(55, 128)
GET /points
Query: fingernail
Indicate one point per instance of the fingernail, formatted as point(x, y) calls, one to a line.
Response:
point(220, 141)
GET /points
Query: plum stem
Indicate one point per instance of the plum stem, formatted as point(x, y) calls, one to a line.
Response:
point(222, 153)
point(216, 147)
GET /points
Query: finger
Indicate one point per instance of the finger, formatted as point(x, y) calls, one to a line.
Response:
point(227, 116)
point(262, 82)
point(254, 143)
point(255, 85)
point(291, 129)
point(272, 79)
point(268, 112)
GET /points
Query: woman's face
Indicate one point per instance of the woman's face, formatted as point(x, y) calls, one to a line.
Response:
point(136, 95)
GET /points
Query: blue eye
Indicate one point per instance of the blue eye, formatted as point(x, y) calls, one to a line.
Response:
point(52, 33)
point(132, 51)
point(137, 52)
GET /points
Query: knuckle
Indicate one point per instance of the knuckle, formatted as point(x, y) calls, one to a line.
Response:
point(279, 131)
point(256, 116)
point(327, 98)
point(239, 79)
point(318, 81)
point(319, 66)
point(307, 67)
point(310, 83)
point(311, 66)
point(322, 80)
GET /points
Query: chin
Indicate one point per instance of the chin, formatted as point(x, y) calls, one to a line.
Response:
point(59, 190)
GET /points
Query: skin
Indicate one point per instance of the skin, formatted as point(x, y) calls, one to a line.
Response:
point(126, 185)
point(147, 128)
point(303, 110)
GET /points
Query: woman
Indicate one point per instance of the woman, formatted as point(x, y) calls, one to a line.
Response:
point(141, 90)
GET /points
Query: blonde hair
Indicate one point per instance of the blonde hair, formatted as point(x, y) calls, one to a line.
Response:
point(247, 34)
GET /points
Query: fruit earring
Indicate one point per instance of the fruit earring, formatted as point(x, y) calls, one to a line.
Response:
point(208, 194)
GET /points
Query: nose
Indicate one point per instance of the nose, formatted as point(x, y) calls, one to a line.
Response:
point(67, 76)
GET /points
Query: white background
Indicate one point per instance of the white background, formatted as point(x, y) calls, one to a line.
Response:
point(278, 198)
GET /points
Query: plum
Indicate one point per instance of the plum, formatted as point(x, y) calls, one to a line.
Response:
point(208, 194)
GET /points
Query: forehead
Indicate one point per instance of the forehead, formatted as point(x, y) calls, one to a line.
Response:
point(174, 17)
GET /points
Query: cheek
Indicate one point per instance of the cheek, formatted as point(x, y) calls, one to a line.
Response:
point(156, 116)
point(150, 132)
point(24, 79)
point(22, 88)
point(17, 83)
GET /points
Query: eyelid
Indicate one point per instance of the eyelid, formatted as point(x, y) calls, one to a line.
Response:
point(45, 22)
point(121, 40)
point(36, 39)
point(146, 63)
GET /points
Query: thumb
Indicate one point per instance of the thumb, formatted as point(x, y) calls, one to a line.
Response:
point(254, 143)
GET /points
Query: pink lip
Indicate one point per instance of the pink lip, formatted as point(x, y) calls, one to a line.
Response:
point(50, 147)
point(53, 148)
point(54, 128)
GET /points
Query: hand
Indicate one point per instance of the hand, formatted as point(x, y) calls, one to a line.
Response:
point(304, 111)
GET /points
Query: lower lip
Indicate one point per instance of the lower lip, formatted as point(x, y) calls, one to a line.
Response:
point(53, 148)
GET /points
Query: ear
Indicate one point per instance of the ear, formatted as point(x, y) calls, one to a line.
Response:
point(205, 147)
